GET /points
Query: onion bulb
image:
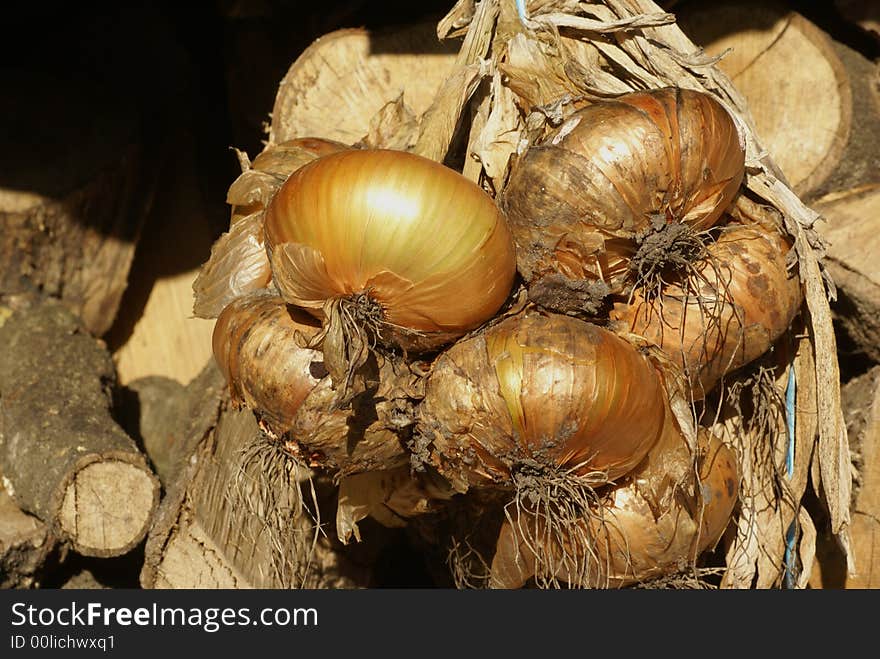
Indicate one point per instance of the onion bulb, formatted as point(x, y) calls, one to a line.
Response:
point(257, 344)
point(615, 170)
point(626, 538)
point(726, 310)
point(536, 397)
point(390, 246)
point(238, 262)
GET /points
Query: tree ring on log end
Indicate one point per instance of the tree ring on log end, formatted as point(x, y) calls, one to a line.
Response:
point(107, 507)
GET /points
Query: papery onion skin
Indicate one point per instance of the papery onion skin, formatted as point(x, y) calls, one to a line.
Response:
point(422, 241)
point(576, 201)
point(632, 540)
point(740, 299)
point(545, 390)
point(253, 189)
point(237, 266)
point(238, 263)
point(255, 346)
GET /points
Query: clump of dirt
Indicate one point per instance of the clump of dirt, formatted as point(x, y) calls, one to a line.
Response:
point(573, 297)
point(666, 250)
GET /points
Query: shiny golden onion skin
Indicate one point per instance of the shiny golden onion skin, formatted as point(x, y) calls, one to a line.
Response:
point(422, 241)
point(576, 201)
point(256, 344)
point(632, 539)
point(541, 391)
point(737, 301)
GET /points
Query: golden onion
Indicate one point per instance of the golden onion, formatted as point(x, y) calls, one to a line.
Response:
point(723, 312)
point(615, 170)
point(257, 345)
point(648, 526)
point(411, 246)
point(540, 394)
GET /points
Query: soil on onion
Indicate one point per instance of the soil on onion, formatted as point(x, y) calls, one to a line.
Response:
point(666, 251)
point(573, 297)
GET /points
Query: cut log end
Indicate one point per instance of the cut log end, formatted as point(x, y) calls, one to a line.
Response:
point(812, 99)
point(107, 507)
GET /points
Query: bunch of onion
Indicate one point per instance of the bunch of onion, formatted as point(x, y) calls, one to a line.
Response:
point(257, 344)
point(582, 200)
point(388, 249)
point(655, 522)
point(238, 262)
point(721, 310)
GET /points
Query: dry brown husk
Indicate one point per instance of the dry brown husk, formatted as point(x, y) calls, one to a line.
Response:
point(390, 496)
point(238, 263)
point(562, 55)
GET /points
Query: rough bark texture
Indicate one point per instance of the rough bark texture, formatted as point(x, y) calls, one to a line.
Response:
point(73, 194)
point(239, 513)
point(63, 455)
point(862, 402)
point(25, 542)
point(153, 416)
point(851, 231)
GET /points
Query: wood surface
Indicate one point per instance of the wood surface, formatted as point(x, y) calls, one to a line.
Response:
point(63, 456)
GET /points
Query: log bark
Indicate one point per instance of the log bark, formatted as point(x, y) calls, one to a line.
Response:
point(25, 543)
point(153, 416)
point(862, 402)
point(813, 100)
point(852, 231)
point(65, 458)
point(241, 514)
point(74, 193)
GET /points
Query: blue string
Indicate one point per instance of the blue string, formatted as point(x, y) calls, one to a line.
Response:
point(521, 10)
point(790, 398)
